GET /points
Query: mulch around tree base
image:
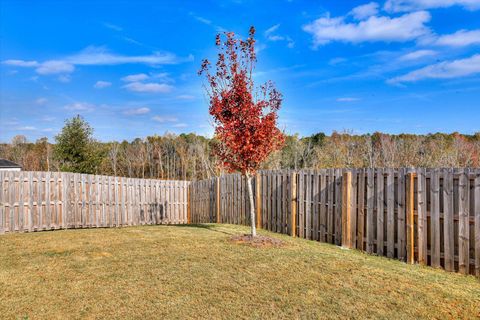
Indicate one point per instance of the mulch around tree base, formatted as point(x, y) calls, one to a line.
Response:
point(258, 241)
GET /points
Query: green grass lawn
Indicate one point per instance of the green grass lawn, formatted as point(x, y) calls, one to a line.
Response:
point(196, 272)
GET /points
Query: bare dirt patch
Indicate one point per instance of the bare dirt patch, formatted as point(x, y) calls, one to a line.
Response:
point(259, 241)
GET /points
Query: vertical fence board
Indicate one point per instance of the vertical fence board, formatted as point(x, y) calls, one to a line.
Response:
point(380, 212)
point(338, 207)
point(370, 227)
point(323, 205)
point(422, 216)
point(435, 218)
point(390, 213)
point(410, 206)
point(477, 222)
point(361, 210)
point(463, 223)
point(401, 243)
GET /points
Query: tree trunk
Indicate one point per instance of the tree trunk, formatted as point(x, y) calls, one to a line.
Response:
point(252, 205)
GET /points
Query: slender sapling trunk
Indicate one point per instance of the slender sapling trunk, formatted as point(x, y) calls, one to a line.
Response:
point(252, 204)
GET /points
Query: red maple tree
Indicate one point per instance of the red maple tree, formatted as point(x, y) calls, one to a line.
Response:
point(245, 116)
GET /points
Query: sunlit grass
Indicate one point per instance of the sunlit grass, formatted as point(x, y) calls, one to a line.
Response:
point(196, 272)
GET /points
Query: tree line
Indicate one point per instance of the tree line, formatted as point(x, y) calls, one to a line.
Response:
point(190, 156)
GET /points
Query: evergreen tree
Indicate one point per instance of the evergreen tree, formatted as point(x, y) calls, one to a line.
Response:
point(75, 147)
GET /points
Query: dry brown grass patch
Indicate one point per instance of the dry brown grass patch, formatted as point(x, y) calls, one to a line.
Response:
point(260, 241)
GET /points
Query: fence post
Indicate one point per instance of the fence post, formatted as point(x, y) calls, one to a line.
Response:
point(217, 198)
point(189, 198)
point(346, 210)
point(258, 200)
point(293, 203)
point(410, 217)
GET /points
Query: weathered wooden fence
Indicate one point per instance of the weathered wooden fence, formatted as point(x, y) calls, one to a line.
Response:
point(429, 216)
point(31, 201)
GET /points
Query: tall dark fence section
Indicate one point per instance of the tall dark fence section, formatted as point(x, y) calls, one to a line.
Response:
point(426, 216)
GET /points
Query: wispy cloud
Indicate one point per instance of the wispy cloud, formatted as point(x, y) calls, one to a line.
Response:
point(136, 112)
point(443, 70)
point(41, 101)
point(26, 128)
point(101, 56)
point(102, 84)
point(347, 99)
point(413, 5)
point(180, 125)
point(185, 97)
point(55, 67)
point(135, 77)
point(418, 54)
point(64, 78)
point(404, 28)
point(271, 36)
point(202, 19)
point(163, 119)
point(272, 29)
point(206, 21)
point(21, 63)
point(79, 106)
point(96, 56)
point(112, 26)
point(149, 87)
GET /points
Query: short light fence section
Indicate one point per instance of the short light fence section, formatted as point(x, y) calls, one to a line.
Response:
point(427, 216)
point(33, 201)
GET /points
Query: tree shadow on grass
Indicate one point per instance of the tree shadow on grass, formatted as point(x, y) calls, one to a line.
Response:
point(210, 227)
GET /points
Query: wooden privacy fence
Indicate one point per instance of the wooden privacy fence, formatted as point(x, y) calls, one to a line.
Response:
point(31, 201)
point(429, 216)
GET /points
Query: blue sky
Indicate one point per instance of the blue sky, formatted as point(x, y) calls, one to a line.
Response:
point(130, 67)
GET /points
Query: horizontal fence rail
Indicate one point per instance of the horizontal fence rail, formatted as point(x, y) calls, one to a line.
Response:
point(427, 216)
point(33, 201)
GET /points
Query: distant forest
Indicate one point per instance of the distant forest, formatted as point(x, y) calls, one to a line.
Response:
point(189, 156)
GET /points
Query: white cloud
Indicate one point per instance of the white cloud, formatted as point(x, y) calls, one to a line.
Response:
point(275, 37)
point(137, 111)
point(96, 56)
point(27, 128)
point(65, 78)
point(102, 84)
point(460, 38)
point(443, 70)
point(112, 26)
point(186, 97)
point(20, 63)
point(404, 28)
point(47, 118)
point(41, 101)
point(55, 67)
point(415, 55)
point(100, 56)
point(365, 11)
point(272, 29)
point(180, 125)
point(165, 119)
point(80, 106)
point(135, 77)
point(150, 87)
point(336, 61)
point(412, 5)
point(347, 99)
